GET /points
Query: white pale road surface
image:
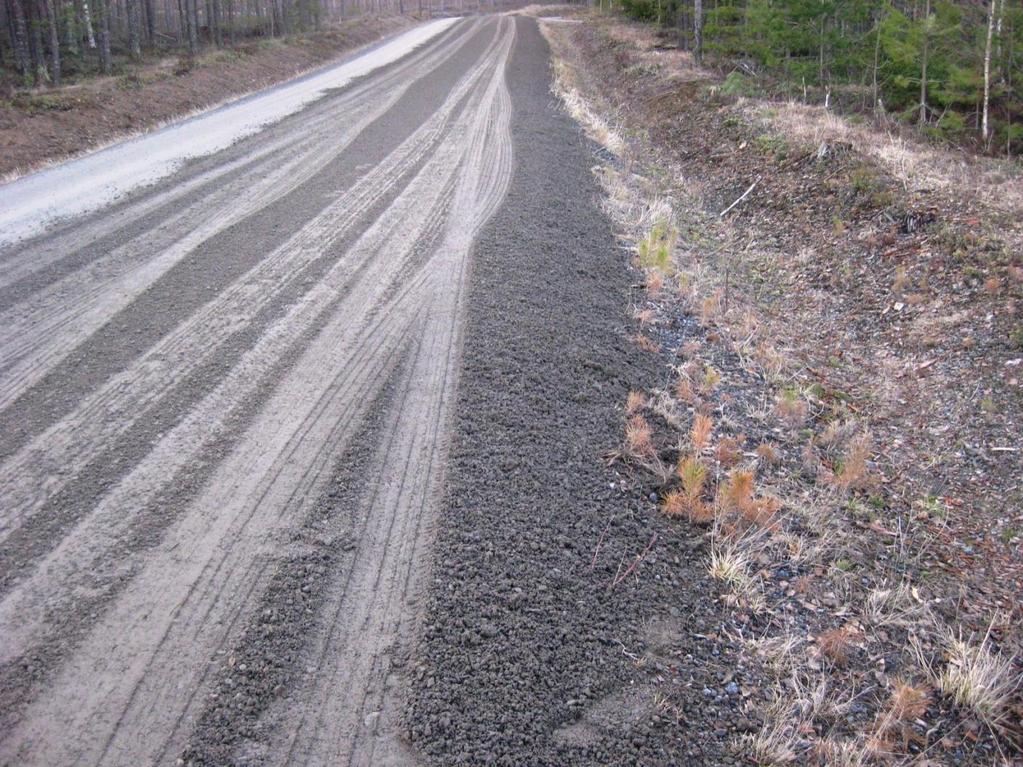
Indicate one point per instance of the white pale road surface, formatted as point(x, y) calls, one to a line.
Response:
point(29, 205)
point(184, 365)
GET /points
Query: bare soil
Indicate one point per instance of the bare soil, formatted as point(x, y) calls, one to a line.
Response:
point(45, 125)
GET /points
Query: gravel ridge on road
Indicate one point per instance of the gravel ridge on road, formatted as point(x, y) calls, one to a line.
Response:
point(529, 655)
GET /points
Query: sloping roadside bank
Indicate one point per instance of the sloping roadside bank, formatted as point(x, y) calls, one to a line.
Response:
point(539, 644)
point(879, 579)
point(40, 127)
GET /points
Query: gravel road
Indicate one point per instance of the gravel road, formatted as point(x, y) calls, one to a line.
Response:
point(302, 449)
point(187, 379)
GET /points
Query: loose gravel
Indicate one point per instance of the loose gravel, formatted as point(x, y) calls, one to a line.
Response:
point(529, 654)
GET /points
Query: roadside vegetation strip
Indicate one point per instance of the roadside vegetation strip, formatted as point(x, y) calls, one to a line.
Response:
point(812, 464)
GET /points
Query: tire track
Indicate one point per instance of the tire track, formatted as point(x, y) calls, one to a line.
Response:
point(39, 331)
point(132, 689)
point(42, 467)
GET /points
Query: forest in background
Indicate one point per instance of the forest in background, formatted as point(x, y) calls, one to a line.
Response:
point(44, 41)
point(952, 66)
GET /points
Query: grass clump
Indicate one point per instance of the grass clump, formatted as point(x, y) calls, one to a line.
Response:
point(654, 251)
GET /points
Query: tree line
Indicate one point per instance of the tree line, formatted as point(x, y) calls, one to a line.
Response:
point(952, 66)
point(41, 39)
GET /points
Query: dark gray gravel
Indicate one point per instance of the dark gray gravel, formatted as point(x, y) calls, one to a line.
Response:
point(528, 656)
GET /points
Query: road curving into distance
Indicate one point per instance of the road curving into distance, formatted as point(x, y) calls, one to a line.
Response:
point(224, 402)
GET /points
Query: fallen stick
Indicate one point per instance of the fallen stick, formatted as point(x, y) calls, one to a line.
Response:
point(743, 197)
point(600, 541)
point(639, 558)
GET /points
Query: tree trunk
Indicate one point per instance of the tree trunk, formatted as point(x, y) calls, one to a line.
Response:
point(103, 21)
point(150, 8)
point(72, 25)
point(923, 62)
point(51, 17)
point(987, 71)
point(877, 56)
point(215, 24)
point(192, 12)
point(19, 35)
point(698, 32)
point(90, 35)
point(134, 29)
point(35, 41)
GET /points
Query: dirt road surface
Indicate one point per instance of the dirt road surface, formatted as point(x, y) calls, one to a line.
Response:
point(182, 374)
point(303, 445)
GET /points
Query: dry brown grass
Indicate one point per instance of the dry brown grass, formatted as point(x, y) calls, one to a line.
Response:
point(906, 702)
point(917, 165)
point(646, 343)
point(710, 309)
point(978, 679)
point(736, 493)
point(835, 644)
point(728, 450)
point(699, 435)
point(645, 316)
point(801, 389)
point(654, 283)
point(693, 475)
point(791, 408)
point(639, 438)
point(854, 471)
point(685, 391)
point(768, 453)
point(690, 349)
point(635, 402)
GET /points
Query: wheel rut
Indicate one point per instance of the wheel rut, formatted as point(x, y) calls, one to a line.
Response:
point(193, 381)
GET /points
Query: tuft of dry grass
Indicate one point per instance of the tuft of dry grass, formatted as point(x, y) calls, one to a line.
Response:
point(977, 679)
point(854, 470)
point(901, 280)
point(699, 435)
point(689, 500)
point(768, 453)
point(654, 283)
point(835, 644)
point(710, 380)
point(773, 744)
point(791, 408)
point(710, 309)
point(635, 402)
point(639, 438)
point(684, 391)
point(646, 343)
point(645, 316)
point(906, 702)
point(690, 348)
point(736, 493)
point(728, 450)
